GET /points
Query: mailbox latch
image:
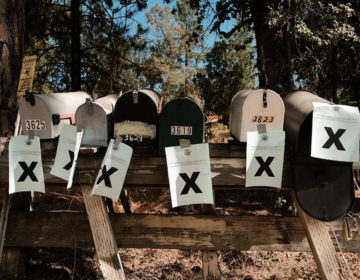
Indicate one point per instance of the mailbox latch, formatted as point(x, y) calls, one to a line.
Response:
point(265, 99)
point(90, 106)
point(29, 97)
point(135, 94)
point(56, 119)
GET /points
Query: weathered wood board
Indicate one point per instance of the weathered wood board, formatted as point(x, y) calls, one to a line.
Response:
point(185, 232)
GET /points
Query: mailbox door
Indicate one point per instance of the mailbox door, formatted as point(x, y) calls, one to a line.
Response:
point(324, 189)
point(180, 119)
point(136, 123)
point(36, 118)
point(95, 125)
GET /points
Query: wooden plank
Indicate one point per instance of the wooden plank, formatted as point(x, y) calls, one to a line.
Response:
point(104, 239)
point(185, 232)
point(3, 219)
point(321, 245)
point(125, 201)
point(210, 258)
point(151, 171)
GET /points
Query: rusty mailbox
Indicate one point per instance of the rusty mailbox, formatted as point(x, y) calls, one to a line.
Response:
point(96, 118)
point(44, 113)
point(324, 189)
point(252, 107)
point(136, 116)
point(181, 118)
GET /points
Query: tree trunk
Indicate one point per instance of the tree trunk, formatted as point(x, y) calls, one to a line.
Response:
point(12, 29)
point(75, 46)
point(287, 47)
point(334, 75)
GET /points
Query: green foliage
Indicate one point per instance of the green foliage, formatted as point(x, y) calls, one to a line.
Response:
point(230, 68)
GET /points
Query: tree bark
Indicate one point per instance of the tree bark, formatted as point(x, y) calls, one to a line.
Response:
point(287, 46)
point(75, 46)
point(334, 74)
point(12, 29)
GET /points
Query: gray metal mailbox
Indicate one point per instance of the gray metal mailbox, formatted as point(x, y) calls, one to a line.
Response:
point(44, 113)
point(324, 189)
point(136, 117)
point(96, 118)
point(252, 107)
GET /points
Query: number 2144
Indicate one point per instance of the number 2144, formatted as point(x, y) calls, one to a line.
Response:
point(262, 119)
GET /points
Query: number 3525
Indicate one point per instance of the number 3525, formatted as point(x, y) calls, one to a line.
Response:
point(262, 119)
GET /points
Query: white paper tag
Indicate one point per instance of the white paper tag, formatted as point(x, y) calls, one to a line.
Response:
point(265, 159)
point(335, 132)
point(189, 175)
point(111, 177)
point(25, 166)
point(67, 153)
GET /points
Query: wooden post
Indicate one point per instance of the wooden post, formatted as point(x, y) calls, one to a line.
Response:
point(321, 245)
point(209, 262)
point(103, 235)
point(3, 220)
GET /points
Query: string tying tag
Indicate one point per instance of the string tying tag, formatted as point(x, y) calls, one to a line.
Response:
point(31, 134)
point(184, 143)
point(118, 140)
point(261, 128)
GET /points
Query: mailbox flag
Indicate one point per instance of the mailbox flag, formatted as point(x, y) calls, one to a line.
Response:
point(264, 159)
point(67, 153)
point(189, 175)
point(25, 166)
point(335, 132)
point(112, 173)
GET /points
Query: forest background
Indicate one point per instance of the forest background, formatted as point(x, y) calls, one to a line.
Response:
point(101, 47)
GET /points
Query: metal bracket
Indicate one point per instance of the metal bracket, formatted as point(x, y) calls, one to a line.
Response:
point(90, 106)
point(135, 95)
point(265, 99)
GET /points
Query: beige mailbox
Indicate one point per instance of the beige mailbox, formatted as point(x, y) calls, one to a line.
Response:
point(96, 118)
point(45, 113)
point(252, 107)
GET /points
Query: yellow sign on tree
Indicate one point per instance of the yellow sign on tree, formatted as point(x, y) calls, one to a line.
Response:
point(27, 74)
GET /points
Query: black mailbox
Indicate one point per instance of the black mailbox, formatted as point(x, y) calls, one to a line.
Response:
point(181, 118)
point(96, 118)
point(324, 189)
point(136, 116)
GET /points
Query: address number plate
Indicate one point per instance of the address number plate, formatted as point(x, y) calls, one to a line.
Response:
point(262, 119)
point(133, 138)
point(35, 124)
point(181, 130)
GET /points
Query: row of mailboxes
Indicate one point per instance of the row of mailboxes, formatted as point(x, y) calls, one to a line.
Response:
point(137, 116)
point(324, 188)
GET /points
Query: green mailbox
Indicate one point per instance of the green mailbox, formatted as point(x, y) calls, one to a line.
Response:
point(181, 118)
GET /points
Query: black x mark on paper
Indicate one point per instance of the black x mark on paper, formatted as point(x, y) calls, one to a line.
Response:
point(28, 171)
point(264, 166)
point(70, 164)
point(334, 138)
point(190, 183)
point(105, 175)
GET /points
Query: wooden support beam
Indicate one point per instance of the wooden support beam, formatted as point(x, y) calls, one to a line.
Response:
point(184, 232)
point(3, 219)
point(104, 239)
point(321, 245)
point(210, 258)
point(125, 201)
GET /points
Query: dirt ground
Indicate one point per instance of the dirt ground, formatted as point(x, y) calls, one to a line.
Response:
point(58, 263)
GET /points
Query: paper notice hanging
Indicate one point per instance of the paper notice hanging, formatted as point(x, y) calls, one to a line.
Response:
point(111, 177)
point(27, 74)
point(335, 132)
point(25, 166)
point(264, 159)
point(189, 175)
point(67, 153)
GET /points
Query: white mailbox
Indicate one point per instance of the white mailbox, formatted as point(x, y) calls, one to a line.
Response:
point(45, 113)
point(96, 118)
point(252, 107)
